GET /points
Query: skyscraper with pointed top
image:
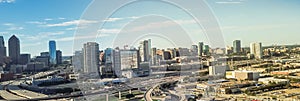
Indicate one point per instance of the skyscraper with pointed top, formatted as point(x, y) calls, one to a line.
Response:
point(14, 49)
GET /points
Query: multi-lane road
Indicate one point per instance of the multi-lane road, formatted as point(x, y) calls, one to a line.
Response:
point(10, 90)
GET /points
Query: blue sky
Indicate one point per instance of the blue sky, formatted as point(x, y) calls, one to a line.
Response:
point(36, 22)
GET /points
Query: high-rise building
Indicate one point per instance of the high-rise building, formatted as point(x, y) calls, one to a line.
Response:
point(194, 50)
point(108, 54)
point(24, 59)
point(91, 57)
point(43, 59)
point(58, 57)
point(200, 48)
point(154, 56)
point(107, 69)
point(101, 57)
point(14, 49)
point(52, 52)
point(126, 62)
point(256, 50)
point(149, 49)
point(44, 53)
point(145, 50)
point(218, 70)
point(77, 61)
point(35, 67)
point(237, 46)
point(175, 53)
point(183, 52)
point(206, 50)
point(2, 49)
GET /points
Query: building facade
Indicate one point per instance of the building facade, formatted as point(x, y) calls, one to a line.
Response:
point(145, 50)
point(206, 50)
point(91, 57)
point(256, 50)
point(237, 46)
point(218, 70)
point(58, 57)
point(24, 59)
point(154, 56)
point(200, 48)
point(2, 50)
point(14, 49)
point(126, 62)
point(52, 52)
point(44, 54)
point(77, 61)
point(194, 50)
point(43, 59)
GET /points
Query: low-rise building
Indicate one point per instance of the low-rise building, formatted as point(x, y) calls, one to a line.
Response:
point(273, 80)
point(218, 70)
point(242, 75)
point(280, 72)
point(35, 67)
point(6, 76)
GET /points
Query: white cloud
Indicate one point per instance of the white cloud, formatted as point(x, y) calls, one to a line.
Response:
point(31, 44)
point(12, 26)
point(42, 35)
point(75, 28)
point(48, 19)
point(15, 28)
point(72, 28)
point(8, 24)
point(81, 37)
point(61, 18)
point(36, 22)
point(7, 1)
point(73, 22)
point(2, 33)
point(109, 31)
point(134, 17)
point(112, 19)
point(52, 33)
point(118, 19)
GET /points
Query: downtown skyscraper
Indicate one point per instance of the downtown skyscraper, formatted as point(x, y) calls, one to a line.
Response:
point(2, 49)
point(52, 52)
point(236, 46)
point(58, 57)
point(145, 50)
point(14, 49)
point(90, 57)
point(200, 48)
point(256, 50)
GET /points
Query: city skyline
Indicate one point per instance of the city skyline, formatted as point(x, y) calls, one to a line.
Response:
point(52, 45)
point(36, 28)
point(148, 50)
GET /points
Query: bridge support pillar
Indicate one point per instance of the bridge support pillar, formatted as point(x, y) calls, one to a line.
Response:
point(120, 95)
point(107, 97)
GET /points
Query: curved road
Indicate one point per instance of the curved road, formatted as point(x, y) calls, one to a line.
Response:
point(148, 93)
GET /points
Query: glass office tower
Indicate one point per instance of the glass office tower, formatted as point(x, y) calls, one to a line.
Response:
point(52, 52)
